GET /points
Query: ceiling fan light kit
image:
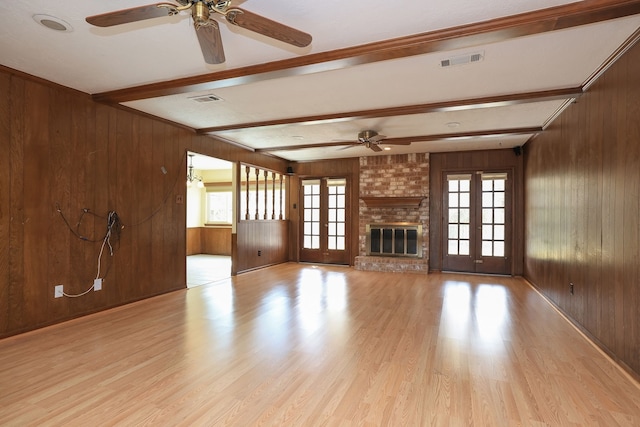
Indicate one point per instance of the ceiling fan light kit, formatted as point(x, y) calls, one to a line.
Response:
point(207, 29)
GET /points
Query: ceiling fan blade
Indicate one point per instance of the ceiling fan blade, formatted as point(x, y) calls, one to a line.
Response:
point(375, 147)
point(261, 25)
point(392, 142)
point(377, 138)
point(210, 43)
point(129, 15)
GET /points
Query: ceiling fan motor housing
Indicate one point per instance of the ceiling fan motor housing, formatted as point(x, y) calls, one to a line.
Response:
point(200, 14)
point(366, 135)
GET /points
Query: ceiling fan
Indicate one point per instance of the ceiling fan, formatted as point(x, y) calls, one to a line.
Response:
point(372, 140)
point(207, 28)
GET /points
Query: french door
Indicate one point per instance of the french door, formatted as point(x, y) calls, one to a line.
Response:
point(324, 232)
point(477, 222)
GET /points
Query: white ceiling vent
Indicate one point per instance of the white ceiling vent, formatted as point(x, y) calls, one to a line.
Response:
point(462, 59)
point(206, 98)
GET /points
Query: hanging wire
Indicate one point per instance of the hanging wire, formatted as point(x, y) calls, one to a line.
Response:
point(113, 231)
point(114, 227)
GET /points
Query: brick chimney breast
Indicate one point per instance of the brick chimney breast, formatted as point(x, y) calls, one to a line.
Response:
point(403, 175)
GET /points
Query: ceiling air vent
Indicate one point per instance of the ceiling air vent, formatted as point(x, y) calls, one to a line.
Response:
point(206, 98)
point(462, 59)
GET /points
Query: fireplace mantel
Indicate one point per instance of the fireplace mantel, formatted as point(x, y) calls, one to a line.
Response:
point(392, 202)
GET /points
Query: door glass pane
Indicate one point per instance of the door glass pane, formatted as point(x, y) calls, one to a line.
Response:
point(311, 214)
point(493, 214)
point(487, 233)
point(487, 248)
point(336, 190)
point(464, 200)
point(453, 200)
point(487, 199)
point(464, 216)
point(464, 231)
point(464, 247)
point(459, 214)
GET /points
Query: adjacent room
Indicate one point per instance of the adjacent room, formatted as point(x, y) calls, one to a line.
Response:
point(320, 213)
point(210, 196)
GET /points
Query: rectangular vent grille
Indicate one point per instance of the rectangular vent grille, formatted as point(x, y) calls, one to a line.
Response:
point(462, 59)
point(206, 98)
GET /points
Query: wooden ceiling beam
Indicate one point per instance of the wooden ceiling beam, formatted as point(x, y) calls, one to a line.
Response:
point(464, 36)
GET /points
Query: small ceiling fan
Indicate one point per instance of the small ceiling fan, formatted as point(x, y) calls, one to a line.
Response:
point(207, 28)
point(372, 140)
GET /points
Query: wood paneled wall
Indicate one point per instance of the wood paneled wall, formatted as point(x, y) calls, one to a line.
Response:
point(475, 161)
point(60, 148)
point(260, 243)
point(209, 240)
point(348, 168)
point(194, 241)
point(583, 211)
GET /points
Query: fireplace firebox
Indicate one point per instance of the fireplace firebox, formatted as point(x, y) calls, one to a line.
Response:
point(394, 240)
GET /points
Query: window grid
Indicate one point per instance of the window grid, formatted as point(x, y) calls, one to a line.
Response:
point(493, 217)
point(311, 236)
point(336, 218)
point(459, 214)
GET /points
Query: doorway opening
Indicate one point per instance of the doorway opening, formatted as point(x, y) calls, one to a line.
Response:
point(210, 219)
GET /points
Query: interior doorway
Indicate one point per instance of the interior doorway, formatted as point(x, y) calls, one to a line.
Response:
point(210, 219)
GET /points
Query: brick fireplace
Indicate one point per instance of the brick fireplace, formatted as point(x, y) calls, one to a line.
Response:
point(394, 190)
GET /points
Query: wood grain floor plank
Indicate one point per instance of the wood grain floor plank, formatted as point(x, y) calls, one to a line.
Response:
point(304, 345)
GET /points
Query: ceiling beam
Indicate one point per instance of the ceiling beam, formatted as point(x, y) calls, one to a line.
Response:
point(496, 30)
point(410, 139)
point(455, 105)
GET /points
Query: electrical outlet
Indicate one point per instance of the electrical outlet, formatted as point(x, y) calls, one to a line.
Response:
point(58, 291)
point(97, 284)
point(571, 288)
point(259, 253)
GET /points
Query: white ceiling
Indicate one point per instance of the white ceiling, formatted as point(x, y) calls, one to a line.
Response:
point(315, 101)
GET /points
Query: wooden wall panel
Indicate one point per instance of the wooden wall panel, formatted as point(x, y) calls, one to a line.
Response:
point(64, 150)
point(209, 240)
point(582, 186)
point(261, 243)
point(5, 199)
point(216, 241)
point(476, 161)
point(194, 241)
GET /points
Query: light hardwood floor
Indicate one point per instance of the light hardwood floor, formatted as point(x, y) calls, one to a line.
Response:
point(302, 345)
point(205, 269)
